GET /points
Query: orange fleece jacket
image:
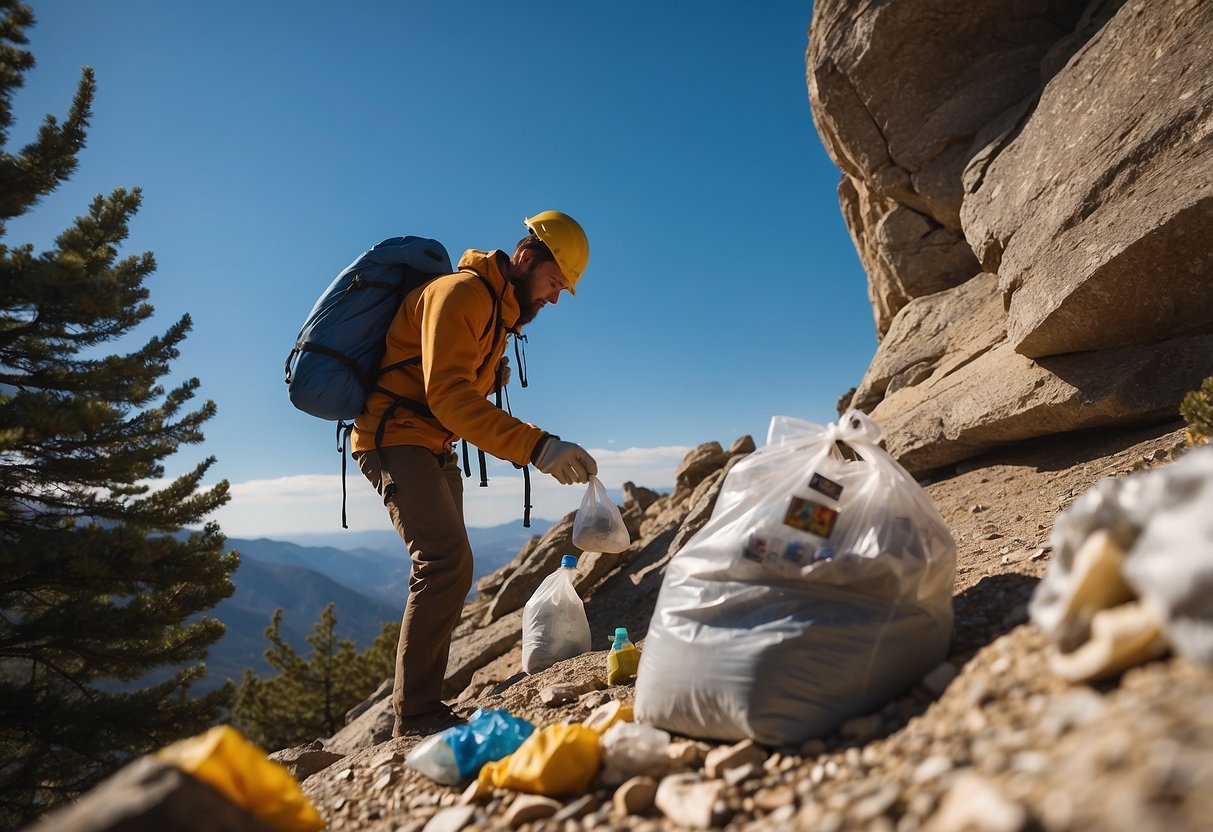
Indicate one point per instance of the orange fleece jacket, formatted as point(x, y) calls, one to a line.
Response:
point(442, 322)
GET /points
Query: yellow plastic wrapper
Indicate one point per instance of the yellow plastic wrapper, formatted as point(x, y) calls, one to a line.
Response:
point(227, 762)
point(557, 760)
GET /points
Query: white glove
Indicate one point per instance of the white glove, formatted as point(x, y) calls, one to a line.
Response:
point(567, 462)
point(505, 370)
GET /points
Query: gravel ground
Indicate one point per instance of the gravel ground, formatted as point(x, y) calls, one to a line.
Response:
point(990, 740)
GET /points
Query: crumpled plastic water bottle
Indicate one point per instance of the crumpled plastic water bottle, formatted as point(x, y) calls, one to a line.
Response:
point(554, 623)
point(459, 752)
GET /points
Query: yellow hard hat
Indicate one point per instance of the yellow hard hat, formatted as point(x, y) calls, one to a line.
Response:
point(565, 237)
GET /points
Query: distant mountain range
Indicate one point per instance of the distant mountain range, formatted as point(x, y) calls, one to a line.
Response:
point(361, 560)
point(365, 575)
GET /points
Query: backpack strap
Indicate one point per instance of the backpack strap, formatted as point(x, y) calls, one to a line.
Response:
point(526, 469)
point(494, 325)
point(343, 436)
point(520, 356)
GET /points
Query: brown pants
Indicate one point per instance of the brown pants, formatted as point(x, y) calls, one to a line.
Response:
point(427, 511)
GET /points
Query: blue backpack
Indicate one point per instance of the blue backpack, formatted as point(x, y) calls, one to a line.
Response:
point(333, 366)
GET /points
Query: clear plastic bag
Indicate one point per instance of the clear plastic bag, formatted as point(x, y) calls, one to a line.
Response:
point(630, 749)
point(820, 588)
point(598, 526)
point(554, 623)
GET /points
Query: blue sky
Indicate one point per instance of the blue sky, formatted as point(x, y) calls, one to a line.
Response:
point(275, 141)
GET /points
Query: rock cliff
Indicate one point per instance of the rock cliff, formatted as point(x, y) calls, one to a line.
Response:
point(1029, 185)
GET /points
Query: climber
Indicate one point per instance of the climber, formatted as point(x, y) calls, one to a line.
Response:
point(403, 442)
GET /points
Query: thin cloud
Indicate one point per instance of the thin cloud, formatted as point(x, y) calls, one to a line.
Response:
point(309, 503)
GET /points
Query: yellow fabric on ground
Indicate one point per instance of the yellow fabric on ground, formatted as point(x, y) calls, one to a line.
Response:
point(227, 762)
point(557, 760)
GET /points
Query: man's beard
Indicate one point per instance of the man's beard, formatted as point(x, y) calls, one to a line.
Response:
point(527, 310)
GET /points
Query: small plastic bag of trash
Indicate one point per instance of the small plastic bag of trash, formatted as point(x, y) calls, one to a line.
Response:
point(598, 526)
point(1132, 572)
point(630, 749)
point(459, 752)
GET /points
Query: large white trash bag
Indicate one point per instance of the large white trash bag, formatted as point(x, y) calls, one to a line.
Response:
point(820, 588)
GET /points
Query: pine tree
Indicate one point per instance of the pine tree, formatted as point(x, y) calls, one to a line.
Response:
point(98, 586)
point(308, 698)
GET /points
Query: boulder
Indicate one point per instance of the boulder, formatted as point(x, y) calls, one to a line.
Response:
point(1095, 210)
point(741, 446)
point(477, 649)
point(530, 570)
point(151, 796)
point(371, 727)
point(1067, 149)
point(934, 334)
point(661, 516)
point(700, 504)
point(1001, 397)
point(700, 462)
point(592, 567)
point(305, 760)
point(641, 497)
point(490, 583)
point(384, 691)
point(899, 92)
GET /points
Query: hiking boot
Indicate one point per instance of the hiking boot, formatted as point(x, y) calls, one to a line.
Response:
point(430, 722)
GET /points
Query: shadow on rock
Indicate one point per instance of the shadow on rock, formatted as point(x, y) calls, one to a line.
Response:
point(992, 608)
point(628, 597)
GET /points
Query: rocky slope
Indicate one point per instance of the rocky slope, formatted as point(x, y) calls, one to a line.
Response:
point(990, 740)
point(1029, 185)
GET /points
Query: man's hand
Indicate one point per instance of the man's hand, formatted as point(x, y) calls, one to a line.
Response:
point(567, 462)
point(505, 371)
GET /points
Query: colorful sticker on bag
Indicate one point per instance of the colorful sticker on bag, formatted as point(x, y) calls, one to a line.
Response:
point(798, 552)
point(827, 487)
point(811, 517)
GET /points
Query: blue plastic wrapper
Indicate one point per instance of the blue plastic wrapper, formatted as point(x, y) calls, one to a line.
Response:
point(488, 736)
point(461, 751)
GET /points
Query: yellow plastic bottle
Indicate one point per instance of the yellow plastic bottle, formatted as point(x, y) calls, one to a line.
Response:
point(623, 659)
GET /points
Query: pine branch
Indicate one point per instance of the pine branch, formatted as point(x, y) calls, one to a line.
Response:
point(45, 163)
point(14, 62)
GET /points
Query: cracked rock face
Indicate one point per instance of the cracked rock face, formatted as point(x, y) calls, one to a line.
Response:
point(1097, 208)
point(900, 92)
point(1029, 185)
